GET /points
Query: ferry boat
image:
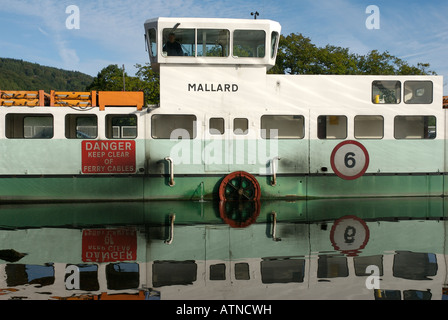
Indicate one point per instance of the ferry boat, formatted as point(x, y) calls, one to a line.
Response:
point(225, 129)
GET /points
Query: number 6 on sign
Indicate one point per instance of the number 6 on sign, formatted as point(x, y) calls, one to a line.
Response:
point(349, 160)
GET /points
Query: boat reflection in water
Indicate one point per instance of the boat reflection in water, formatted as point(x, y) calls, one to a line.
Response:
point(391, 248)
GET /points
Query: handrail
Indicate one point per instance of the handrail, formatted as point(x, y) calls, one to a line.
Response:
point(171, 238)
point(274, 173)
point(170, 161)
point(274, 227)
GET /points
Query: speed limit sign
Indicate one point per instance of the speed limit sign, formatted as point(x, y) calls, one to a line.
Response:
point(349, 160)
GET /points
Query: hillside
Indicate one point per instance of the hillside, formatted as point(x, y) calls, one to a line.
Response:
point(21, 75)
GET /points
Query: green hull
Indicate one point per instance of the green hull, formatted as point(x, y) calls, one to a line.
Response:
point(145, 188)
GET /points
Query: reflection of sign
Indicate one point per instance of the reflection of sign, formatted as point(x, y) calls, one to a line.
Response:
point(349, 160)
point(109, 245)
point(117, 156)
point(349, 234)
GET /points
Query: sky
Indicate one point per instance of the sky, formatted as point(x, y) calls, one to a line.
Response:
point(111, 31)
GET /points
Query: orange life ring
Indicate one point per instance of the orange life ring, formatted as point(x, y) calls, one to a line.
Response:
point(239, 186)
point(239, 214)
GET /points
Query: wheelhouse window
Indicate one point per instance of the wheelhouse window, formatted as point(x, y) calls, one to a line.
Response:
point(240, 126)
point(386, 92)
point(81, 127)
point(167, 126)
point(216, 126)
point(121, 126)
point(249, 43)
point(416, 92)
point(282, 127)
point(415, 127)
point(332, 127)
point(179, 42)
point(369, 127)
point(274, 41)
point(213, 42)
point(152, 34)
point(27, 126)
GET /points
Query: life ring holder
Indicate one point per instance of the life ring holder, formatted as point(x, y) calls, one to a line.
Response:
point(241, 190)
point(239, 185)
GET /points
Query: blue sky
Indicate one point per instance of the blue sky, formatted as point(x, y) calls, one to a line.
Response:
point(111, 31)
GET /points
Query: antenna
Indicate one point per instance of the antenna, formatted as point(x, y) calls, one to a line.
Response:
point(124, 83)
point(255, 14)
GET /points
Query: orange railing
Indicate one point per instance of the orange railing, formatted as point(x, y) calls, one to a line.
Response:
point(101, 99)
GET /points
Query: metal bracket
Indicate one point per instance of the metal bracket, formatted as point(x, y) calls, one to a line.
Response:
point(170, 161)
point(274, 173)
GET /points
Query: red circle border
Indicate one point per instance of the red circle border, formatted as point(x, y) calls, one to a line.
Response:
point(364, 169)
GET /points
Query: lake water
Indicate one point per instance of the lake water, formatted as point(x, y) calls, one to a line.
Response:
point(391, 248)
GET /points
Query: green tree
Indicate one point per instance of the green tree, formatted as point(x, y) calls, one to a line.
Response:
point(298, 55)
point(110, 78)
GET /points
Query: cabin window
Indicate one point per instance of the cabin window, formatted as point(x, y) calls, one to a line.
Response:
point(369, 127)
point(174, 273)
point(179, 42)
point(415, 127)
point(216, 126)
point(152, 34)
point(240, 126)
point(167, 126)
point(332, 127)
point(249, 43)
point(213, 43)
point(26, 126)
point(81, 127)
point(121, 126)
point(274, 41)
point(386, 92)
point(282, 127)
point(418, 92)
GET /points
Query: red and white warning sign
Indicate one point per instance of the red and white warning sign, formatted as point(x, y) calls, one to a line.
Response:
point(104, 156)
point(109, 245)
point(349, 234)
point(349, 160)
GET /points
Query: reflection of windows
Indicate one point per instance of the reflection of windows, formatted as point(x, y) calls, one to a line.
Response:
point(415, 127)
point(242, 271)
point(418, 92)
point(20, 274)
point(369, 127)
point(282, 127)
point(414, 266)
point(218, 271)
point(216, 126)
point(88, 277)
point(249, 43)
point(282, 270)
point(240, 126)
point(332, 127)
point(213, 43)
point(121, 126)
point(332, 266)
point(170, 273)
point(166, 126)
point(81, 127)
point(417, 295)
point(122, 276)
point(361, 264)
point(388, 92)
point(381, 294)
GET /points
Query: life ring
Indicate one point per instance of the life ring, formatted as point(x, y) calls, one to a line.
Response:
point(239, 214)
point(239, 186)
